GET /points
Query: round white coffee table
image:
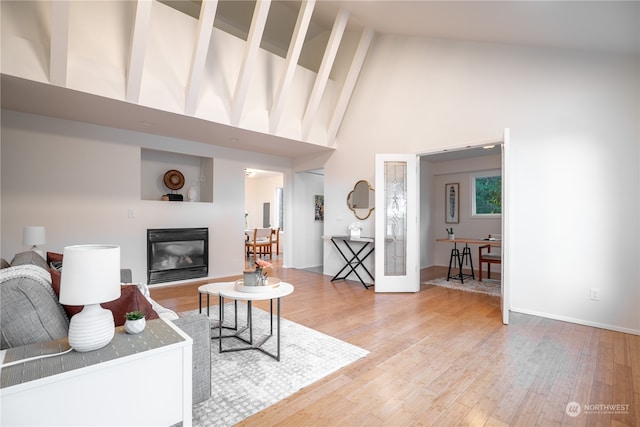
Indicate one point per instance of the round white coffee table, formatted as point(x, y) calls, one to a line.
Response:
point(211, 289)
point(272, 293)
point(214, 289)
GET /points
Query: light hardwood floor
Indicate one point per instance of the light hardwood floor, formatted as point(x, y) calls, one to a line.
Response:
point(442, 357)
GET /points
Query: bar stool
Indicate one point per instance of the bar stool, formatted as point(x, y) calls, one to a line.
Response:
point(458, 260)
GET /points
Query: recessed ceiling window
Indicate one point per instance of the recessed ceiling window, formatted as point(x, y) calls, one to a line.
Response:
point(235, 16)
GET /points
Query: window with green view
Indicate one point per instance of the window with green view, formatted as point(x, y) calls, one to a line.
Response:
point(486, 192)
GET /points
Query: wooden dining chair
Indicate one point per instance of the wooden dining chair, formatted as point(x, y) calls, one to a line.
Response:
point(489, 255)
point(260, 244)
point(275, 240)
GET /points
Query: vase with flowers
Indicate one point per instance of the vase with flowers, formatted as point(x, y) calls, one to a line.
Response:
point(261, 273)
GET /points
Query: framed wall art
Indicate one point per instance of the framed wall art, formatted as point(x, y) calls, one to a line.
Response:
point(452, 203)
point(319, 207)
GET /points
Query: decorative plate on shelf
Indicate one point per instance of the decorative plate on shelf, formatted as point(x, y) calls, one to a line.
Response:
point(173, 179)
point(272, 283)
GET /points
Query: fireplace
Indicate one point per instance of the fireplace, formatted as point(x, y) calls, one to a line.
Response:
point(177, 254)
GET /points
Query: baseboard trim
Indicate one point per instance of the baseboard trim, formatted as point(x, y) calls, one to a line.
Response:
point(576, 321)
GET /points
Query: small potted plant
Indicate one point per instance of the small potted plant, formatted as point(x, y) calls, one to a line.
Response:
point(450, 233)
point(135, 322)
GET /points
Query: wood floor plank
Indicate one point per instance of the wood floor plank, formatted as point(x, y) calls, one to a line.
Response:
point(441, 357)
point(530, 409)
point(554, 409)
point(582, 388)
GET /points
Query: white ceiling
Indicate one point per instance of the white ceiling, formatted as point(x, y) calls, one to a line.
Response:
point(609, 26)
point(593, 25)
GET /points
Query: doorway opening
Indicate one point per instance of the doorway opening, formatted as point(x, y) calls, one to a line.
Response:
point(264, 207)
point(308, 221)
point(460, 169)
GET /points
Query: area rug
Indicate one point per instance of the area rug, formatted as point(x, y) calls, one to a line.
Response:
point(246, 382)
point(487, 286)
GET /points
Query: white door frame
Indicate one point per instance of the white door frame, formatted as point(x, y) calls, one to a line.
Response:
point(505, 271)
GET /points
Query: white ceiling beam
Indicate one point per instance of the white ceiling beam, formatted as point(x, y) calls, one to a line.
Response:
point(199, 57)
point(349, 83)
point(323, 73)
point(254, 38)
point(291, 62)
point(138, 49)
point(59, 43)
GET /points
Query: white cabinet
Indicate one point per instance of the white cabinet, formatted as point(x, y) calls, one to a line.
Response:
point(142, 379)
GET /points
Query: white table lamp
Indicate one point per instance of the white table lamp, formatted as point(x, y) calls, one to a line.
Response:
point(90, 276)
point(34, 235)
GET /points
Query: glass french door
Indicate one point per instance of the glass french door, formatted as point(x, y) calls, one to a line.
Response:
point(397, 249)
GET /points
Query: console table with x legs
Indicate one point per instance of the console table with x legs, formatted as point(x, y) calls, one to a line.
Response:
point(356, 258)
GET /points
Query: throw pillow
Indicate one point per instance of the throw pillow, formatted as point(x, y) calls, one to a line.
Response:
point(29, 257)
point(54, 257)
point(4, 263)
point(131, 299)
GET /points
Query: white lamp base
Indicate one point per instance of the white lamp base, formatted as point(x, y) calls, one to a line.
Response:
point(91, 329)
point(40, 252)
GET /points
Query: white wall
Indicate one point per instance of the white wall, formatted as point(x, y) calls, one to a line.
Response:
point(80, 180)
point(574, 158)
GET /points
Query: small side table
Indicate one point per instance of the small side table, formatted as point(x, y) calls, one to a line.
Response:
point(282, 290)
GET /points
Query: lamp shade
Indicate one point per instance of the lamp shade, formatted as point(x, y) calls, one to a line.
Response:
point(33, 235)
point(91, 274)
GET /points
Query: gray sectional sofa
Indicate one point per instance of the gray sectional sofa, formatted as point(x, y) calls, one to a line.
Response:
point(30, 313)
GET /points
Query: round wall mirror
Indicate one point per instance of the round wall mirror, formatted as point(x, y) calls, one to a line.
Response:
point(362, 199)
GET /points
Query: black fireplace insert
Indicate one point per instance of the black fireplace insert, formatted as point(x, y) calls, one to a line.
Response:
point(175, 254)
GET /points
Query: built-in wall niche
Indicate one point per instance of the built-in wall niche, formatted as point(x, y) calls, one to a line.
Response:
point(197, 172)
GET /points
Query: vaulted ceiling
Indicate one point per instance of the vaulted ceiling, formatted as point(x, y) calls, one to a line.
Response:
point(612, 26)
point(590, 25)
point(603, 26)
